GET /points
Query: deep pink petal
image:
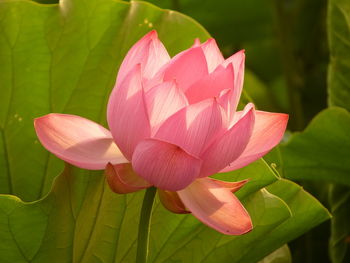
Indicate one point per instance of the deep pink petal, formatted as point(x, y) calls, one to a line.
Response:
point(267, 133)
point(212, 54)
point(225, 149)
point(216, 207)
point(78, 141)
point(186, 68)
point(163, 101)
point(172, 202)
point(165, 165)
point(126, 113)
point(193, 127)
point(211, 85)
point(122, 179)
point(149, 52)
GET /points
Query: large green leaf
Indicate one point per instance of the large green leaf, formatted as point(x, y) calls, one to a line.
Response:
point(64, 58)
point(81, 220)
point(339, 44)
point(321, 151)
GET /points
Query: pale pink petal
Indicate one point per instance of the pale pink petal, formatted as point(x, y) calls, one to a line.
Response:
point(226, 101)
point(193, 127)
point(232, 186)
point(216, 207)
point(228, 147)
point(211, 85)
point(163, 101)
point(149, 52)
point(122, 179)
point(172, 202)
point(212, 54)
point(78, 141)
point(126, 113)
point(267, 133)
point(186, 68)
point(165, 165)
point(237, 60)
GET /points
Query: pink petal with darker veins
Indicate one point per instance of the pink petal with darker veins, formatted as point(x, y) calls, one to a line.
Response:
point(165, 165)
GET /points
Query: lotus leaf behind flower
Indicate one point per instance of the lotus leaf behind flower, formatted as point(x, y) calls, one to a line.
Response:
point(173, 122)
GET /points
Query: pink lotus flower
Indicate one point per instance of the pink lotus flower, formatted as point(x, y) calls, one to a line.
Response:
point(173, 122)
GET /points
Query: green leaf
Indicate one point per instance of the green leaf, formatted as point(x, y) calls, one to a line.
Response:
point(321, 151)
point(281, 255)
point(339, 45)
point(65, 59)
point(340, 236)
point(81, 220)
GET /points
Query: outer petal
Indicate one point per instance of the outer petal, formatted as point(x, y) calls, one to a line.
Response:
point(212, 54)
point(165, 165)
point(232, 186)
point(149, 52)
point(193, 127)
point(216, 207)
point(186, 68)
point(163, 101)
point(123, 180)
point(267, 133)
point(211, 85)
point(78, 141)
point(126, 113)
point(229, 146)
point(172, 202)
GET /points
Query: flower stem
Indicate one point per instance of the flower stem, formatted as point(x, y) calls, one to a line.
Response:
point(144, 225)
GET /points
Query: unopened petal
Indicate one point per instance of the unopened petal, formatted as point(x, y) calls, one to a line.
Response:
point(78, 141)
point(165, 165)
point(237, 60)
point(216, 207)
point(186, 68)
point(126, 113)
point(163, 101)
point(149, 52)
point(212, 54)
point(211, 85)
point(267, 133)
point(193, 127)
point(123, 180)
